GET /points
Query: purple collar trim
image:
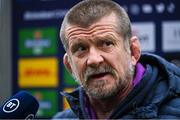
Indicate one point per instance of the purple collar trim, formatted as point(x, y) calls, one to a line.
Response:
point(139, 74)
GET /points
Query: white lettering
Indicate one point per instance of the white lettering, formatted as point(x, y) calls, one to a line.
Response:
point(44, 15)
point(11, 105)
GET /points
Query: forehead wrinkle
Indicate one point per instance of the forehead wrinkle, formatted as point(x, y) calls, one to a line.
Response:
point(94, 38)
point(94, 30)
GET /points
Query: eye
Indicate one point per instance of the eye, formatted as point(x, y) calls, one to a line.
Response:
point(79, 49)
point(107, 43)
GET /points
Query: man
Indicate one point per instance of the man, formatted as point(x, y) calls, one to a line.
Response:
point(116, 80)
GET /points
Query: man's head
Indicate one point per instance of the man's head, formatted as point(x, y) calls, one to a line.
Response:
point(90, 11)
point(101, 52)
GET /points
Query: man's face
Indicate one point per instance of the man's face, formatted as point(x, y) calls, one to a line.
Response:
point(97, 58)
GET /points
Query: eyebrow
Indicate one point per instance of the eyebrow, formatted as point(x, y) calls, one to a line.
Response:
point(106, 37)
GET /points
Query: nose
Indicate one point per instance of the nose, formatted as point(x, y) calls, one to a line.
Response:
point(95, 58)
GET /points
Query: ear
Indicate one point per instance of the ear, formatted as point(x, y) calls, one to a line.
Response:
point(66, 63)
point(135, 49)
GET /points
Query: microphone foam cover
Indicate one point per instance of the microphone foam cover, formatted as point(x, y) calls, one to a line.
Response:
point(20, 106)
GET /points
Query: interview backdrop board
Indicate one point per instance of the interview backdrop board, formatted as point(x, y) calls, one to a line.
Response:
point(38, 53)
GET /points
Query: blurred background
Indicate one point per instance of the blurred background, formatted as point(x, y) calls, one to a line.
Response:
point(31, 52)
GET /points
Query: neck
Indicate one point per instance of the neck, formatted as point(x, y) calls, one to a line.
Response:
point(104, 107)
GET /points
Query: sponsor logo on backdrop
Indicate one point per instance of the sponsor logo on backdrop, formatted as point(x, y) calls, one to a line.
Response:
point(65, 102)
point(160, 7)
point(38, 72)
point(135, 9)
point(38, 41)
point(147, 8)
point(44, 15)
point(171, 36)
point(48, 102)
point(146, 33)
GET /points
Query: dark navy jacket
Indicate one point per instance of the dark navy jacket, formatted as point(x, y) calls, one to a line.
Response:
point(156, 96)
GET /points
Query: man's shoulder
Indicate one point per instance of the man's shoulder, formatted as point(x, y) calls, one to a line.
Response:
point(68, 113)
point(171, 109)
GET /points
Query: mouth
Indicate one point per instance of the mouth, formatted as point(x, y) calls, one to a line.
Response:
point(98, 76)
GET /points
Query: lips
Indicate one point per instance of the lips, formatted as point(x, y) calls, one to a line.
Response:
point(99, 75)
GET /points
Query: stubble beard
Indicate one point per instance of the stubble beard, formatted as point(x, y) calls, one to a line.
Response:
point(98, 89)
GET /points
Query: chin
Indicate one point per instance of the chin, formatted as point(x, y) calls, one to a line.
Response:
point(102, 92)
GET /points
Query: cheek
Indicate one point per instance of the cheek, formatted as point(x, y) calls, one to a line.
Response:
point(120, 63)
point(78, 68)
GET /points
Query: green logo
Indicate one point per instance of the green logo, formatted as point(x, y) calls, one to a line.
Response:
point(48, 102)
point(38, 41)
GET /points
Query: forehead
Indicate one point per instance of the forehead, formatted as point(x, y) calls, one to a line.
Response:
point(106, 25)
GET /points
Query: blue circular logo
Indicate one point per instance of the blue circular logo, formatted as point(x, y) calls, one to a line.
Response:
point(11, 106)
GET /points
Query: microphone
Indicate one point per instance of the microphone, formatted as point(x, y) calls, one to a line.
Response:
point(20, 106)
